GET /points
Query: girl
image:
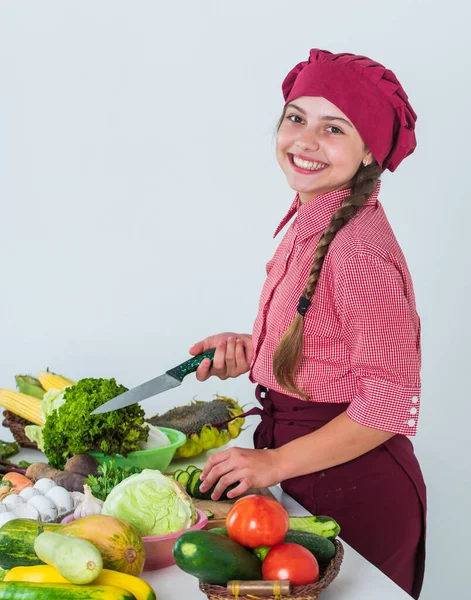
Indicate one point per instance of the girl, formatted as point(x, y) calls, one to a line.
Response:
point(335, 348)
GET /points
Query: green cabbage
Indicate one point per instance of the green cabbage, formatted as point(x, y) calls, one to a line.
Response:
point(152, 502)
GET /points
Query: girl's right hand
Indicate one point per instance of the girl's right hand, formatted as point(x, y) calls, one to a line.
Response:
point(232, 358)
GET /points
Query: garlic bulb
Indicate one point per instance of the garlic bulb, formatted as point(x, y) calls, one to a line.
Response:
point(77, 498)
point(89, 506)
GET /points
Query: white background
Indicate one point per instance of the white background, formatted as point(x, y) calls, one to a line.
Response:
point(139, 192)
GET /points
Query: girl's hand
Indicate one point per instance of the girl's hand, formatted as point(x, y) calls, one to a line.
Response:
point(232, 358)
point(253, 468)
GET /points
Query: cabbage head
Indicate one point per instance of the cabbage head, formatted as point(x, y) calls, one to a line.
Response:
point(154, 503)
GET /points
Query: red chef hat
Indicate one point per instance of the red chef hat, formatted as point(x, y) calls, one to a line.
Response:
point(368, 93)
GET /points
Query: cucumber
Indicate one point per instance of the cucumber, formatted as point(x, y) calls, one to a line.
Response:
point(219, 531)
point(322, 548)
point(214, 558)
point(319, 524)
point(193, 481)
point(190, 469)
point(183, 479)
point(209, 513)
point(16, 590)
point(177, 473)
point(193, 487)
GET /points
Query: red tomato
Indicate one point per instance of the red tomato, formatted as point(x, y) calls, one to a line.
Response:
point(291, 562)
point(257, 521)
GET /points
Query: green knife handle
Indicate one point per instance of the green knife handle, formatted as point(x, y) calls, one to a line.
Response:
point(190, 366)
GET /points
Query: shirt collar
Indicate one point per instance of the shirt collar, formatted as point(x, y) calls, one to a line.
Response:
point(315, 215)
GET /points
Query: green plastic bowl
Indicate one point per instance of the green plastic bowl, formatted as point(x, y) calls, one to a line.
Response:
point(157, 458)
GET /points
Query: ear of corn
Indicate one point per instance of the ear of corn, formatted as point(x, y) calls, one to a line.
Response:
point(51, 381)
point(23, 405)
point(29, 385)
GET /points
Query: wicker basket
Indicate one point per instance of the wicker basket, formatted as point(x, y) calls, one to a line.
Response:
point(301, 592)
point(17, 425)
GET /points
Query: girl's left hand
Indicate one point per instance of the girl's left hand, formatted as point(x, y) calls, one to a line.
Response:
point(253, 468)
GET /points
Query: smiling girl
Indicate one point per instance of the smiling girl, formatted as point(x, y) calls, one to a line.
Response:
point(335, 349)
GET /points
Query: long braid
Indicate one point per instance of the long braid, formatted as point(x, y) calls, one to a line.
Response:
point(289, 351)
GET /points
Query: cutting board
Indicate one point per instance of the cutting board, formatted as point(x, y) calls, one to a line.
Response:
point(222, 507)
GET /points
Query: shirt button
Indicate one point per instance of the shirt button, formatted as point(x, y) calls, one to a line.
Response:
point(414, 400)
point(413, 411)
point(411, 422)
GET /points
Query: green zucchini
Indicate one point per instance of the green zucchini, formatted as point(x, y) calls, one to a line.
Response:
point(16, 590)
point(319, 524)
point(219, 531)
point(215, 559)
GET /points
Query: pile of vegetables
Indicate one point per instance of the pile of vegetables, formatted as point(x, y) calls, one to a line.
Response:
point(259, 542)
point(76, 470)
point(96, 557)
point(44, 500)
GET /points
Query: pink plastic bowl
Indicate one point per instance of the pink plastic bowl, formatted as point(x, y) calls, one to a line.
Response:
point(159, 548)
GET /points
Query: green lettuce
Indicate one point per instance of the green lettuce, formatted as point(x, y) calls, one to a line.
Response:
point(154, 503)
point(52, 400)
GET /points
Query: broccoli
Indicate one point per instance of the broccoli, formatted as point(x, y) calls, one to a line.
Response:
point(71, 429)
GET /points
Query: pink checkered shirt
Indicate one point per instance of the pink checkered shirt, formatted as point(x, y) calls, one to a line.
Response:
point(362, 330)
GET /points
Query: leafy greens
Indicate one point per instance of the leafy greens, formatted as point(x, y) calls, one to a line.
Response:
point(71, 429)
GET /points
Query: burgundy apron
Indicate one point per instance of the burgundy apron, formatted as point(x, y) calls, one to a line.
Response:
point(379, 499)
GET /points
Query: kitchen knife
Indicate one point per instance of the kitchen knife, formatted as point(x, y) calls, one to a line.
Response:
point(162, 383)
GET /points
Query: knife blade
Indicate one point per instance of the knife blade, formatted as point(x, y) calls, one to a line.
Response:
point(168, 380)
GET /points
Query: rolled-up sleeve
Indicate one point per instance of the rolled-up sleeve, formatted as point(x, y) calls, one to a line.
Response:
point(381, 329)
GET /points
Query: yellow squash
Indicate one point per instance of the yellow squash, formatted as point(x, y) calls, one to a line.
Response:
point(46, 574)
